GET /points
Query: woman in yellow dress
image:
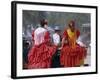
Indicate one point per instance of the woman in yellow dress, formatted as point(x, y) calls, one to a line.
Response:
point(72, 54)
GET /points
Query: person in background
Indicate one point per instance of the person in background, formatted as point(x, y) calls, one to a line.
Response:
point(56, 36)
point(40, 55)
point(26, 47)
point(72, 54)
point(56, 42)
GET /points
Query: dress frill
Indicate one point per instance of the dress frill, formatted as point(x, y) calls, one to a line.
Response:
point(40, 56)
point(71, 57)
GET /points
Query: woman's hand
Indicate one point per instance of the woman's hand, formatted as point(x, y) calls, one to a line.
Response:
point(60, 48)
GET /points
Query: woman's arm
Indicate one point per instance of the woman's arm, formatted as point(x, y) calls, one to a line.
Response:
point(62, 43)
point(47, 37)
point(63, 39)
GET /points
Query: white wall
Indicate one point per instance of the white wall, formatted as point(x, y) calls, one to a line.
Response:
point(5, 37)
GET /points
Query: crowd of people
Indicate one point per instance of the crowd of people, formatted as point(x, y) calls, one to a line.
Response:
point(54, 50)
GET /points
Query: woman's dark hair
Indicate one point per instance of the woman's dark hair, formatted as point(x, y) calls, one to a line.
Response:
point(71, 23)
point(43, 22)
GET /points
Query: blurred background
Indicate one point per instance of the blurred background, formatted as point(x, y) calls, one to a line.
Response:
point(31, 21)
